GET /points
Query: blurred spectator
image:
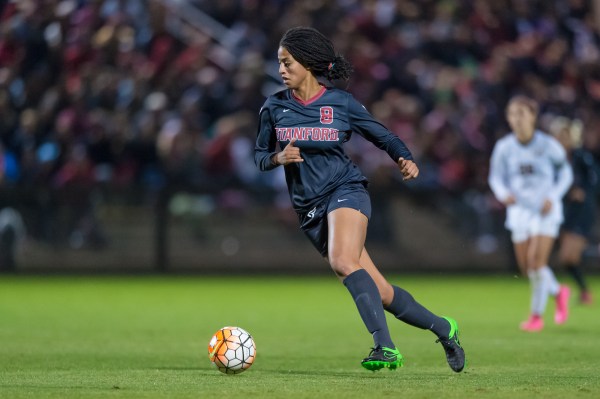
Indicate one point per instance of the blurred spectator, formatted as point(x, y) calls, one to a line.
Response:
point(12, 235)
point(139, 93)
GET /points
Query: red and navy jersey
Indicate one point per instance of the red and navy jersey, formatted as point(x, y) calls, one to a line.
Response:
point(321, 125)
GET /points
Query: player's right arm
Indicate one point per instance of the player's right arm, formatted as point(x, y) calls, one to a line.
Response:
point(265, 155)
point(266, 141)
point(290, 154)
point(497, 176)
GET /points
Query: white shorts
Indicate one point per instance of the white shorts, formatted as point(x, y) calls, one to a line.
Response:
point(524, 223)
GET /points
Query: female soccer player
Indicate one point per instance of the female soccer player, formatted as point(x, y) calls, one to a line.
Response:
point(529, 174)
point(579, 204)
point(311, 122)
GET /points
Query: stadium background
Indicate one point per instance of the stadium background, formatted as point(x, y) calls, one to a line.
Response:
point(127, 127)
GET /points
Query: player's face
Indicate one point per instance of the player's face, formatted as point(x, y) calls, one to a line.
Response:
point(521, 120)
point(564, 137)
point(292, 72)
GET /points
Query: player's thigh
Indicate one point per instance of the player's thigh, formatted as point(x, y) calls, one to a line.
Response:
point(314, 225)
point(543, 237)
point(346, 239)
point(572, 246)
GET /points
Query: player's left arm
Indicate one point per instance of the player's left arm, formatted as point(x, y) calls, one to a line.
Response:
point(408, 168)
point(364, 124)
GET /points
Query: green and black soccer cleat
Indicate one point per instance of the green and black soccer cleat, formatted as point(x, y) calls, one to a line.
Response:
point(455, 355)
point(381, 357)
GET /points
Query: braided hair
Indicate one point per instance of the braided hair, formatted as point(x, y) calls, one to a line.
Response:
point(315, 52)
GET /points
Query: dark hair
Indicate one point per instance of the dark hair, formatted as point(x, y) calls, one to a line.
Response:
point(314, 51)
point(528, 102)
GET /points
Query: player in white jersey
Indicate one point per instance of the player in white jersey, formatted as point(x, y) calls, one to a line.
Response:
point(529, 174)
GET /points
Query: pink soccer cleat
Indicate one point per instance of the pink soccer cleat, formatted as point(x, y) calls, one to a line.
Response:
point(533, 324)
point(562, 305)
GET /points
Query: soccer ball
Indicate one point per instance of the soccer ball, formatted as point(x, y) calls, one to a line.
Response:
point(232, 350)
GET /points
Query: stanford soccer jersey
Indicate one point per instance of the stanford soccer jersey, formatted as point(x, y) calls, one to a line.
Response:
point(321, 125)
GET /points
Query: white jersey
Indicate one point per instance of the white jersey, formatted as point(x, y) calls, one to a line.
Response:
point(532, 173)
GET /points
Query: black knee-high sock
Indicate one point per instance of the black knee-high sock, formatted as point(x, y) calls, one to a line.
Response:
point(368, 301)
point(577, 274)
point(405, 308)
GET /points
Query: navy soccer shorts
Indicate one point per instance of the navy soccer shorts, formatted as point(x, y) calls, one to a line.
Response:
point(314, 222)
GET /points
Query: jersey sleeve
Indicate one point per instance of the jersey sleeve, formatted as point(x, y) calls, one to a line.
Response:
point(588, 168)
point(496, 177)
point(266, 141)
point(364, 124)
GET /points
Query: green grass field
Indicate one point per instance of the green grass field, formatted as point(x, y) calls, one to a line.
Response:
point(146, 337)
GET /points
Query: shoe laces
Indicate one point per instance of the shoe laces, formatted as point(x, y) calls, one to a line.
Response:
point(448, 342)
point(373, 350)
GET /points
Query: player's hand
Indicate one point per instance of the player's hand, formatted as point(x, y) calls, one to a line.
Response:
point(577, 194)
point(408, 169)
point(290, 154)
point(546, 206)
point(510, 200)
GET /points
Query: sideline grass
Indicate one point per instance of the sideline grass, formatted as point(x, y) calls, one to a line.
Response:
point(146, 337)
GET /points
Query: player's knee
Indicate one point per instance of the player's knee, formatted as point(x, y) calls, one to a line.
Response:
point(387, 294)
point(570, 259)
point(343, 265)
point(533, 262)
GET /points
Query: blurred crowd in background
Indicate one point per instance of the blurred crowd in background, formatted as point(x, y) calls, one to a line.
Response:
point(153, 94)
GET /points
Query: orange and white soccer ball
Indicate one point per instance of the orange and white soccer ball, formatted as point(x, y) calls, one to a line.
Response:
point(232, 350)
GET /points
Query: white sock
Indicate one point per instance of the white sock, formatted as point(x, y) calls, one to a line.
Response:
point(549, 280)
point(538, 295)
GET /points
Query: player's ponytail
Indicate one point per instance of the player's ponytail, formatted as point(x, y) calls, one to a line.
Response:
point(339, 68)
point(314, 51)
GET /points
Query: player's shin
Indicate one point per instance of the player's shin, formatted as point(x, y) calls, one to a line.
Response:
point(405, 308)
point(368, 301)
